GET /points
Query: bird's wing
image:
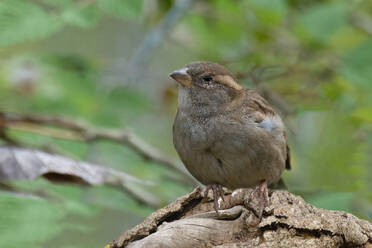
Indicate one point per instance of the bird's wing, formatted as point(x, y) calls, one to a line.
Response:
point(258, 104)
point(256, 109)
point(266, 117)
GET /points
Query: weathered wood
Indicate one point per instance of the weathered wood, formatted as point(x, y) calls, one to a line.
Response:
point(288, 222)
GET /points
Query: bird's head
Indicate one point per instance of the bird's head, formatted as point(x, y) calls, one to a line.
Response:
point(205, 84)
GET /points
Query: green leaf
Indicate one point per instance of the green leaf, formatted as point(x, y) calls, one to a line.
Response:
point(326, 146)
point(81, 17)
point(22, 21)
point(132, 104)
point(319, 23)
point(357, 65)
point(363, 114)
point(121, 8)
point(61, 3)
point(27, 221)
point(269, 12)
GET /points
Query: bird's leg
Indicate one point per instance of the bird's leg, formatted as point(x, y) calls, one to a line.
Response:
point(217, 191)
point(263, 194)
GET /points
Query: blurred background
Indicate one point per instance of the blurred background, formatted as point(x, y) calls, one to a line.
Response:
point(88, 80)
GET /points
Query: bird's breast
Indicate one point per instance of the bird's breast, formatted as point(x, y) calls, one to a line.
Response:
point(192, 132)
point(234, 154)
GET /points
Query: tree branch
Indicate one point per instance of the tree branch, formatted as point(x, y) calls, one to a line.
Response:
point(288, 222)
point(18, 163)
point(73, 130)
point(361, 21)
point(155, 37)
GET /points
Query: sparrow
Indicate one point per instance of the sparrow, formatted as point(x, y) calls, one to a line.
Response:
point(226, 135)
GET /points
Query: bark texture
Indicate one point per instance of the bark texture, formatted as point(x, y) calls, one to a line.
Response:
point(288, 221)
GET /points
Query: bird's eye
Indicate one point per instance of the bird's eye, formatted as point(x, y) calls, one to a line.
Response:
point(207, 78)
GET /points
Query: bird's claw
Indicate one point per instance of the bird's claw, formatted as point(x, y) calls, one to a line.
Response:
point(263, 194)
point(217, 192)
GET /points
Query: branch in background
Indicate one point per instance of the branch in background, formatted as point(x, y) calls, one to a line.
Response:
point(362, 22)
point(257, 72)
point(141, 147)
point(28, 164)
point(155, 37)
point(46, 120)
point(72, 130)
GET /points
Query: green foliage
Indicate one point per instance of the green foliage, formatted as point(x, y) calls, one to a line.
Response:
point(332, 200)
point(268, 13)
point(340, 156)
point(43, 20)
point(128, 8)
point(321, 22)
point(27, 221)
point(16, 26)
point(357, 63)
point(66, 210)
point(80, 17)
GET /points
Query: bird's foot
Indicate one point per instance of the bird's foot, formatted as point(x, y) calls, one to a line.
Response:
point(263, 196)
point(217, 192)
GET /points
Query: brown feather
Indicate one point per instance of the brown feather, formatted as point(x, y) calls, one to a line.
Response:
point(228, 135)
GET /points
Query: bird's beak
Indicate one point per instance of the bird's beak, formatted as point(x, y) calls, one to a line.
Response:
point(182, 77)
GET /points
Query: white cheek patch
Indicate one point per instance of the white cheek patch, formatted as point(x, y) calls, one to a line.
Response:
point(271, 123)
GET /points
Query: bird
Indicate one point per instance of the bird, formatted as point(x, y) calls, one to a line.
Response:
point(226, 135)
